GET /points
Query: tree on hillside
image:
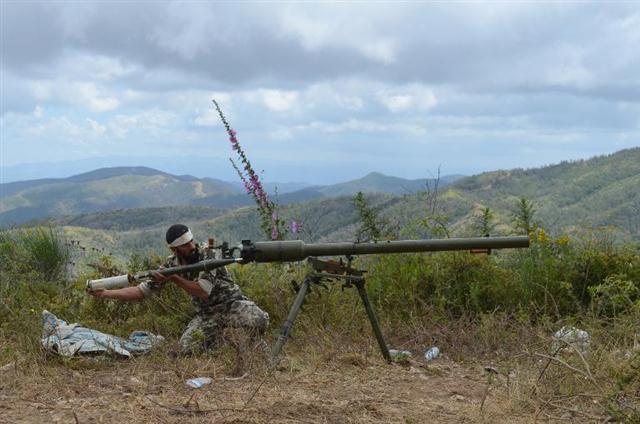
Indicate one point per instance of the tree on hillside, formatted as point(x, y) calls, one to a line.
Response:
point(523, 216)
point(483, 224)
point(371, 226)
point(435, 220)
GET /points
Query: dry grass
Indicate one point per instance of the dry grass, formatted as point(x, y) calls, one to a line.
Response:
point(326, 378)
point(494, 369)
point(348, 388)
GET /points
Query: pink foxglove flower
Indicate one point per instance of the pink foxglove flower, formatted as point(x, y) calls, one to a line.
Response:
point(267, 209)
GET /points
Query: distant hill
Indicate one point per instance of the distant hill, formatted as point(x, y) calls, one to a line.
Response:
point(99, 174)
point(140, 187)
point(376, 182)
point(103, 189)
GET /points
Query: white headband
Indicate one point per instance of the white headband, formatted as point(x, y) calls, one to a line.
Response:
point(183, 239)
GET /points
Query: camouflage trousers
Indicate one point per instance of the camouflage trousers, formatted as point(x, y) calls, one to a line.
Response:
point(240, 323)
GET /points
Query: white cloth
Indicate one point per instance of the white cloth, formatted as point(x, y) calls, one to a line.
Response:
point(183, 239)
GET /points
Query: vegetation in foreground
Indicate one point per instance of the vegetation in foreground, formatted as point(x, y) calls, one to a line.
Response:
point(500, 309)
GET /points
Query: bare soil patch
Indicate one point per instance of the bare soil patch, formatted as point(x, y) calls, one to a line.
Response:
point(345, 389)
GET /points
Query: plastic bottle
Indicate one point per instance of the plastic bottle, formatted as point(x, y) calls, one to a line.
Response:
point(196, 383)
point(431, 354)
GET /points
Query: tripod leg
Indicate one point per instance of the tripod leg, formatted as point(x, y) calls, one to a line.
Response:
point(372, 318)
point(288, 324)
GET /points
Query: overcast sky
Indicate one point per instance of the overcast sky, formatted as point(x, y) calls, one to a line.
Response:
point(318, 92)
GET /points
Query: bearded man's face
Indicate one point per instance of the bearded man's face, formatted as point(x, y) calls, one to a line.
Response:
point(187, 253)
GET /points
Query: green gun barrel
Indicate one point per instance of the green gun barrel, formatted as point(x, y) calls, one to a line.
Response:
point(295, 250)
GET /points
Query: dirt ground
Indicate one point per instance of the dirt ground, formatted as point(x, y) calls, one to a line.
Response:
point(344, 389)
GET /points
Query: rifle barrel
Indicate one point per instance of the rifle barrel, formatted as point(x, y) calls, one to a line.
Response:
point(275, 251)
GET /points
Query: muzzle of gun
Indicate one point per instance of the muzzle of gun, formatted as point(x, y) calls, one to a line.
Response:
point(109, 283)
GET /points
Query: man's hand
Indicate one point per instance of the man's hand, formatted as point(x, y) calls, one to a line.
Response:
point(159, 278)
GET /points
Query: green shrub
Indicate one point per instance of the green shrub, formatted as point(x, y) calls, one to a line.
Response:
point(452, 284)
point(39, 249)
point(594, 258)
point(616, 295)
point(622, 403)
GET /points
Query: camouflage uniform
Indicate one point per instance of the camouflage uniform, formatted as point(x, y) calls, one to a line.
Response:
point(226, 315)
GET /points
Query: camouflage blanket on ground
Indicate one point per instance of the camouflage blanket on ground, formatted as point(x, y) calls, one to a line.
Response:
point(71, 339)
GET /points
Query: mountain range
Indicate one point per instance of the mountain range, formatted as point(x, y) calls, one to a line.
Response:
point(141, 187)
point(568, 198)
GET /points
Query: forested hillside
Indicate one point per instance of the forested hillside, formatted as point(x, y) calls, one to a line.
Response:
point(110, 189)
point(603, 191)
point(105, 190)
point(568, 197)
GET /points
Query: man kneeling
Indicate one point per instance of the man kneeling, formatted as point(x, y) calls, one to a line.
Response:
point(224, 313)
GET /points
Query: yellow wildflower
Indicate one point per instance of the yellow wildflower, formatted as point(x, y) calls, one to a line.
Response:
point(542, 235)
point(562, 240)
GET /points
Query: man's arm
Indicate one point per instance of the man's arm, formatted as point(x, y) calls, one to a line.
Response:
point(191, 287)
point(127, 293)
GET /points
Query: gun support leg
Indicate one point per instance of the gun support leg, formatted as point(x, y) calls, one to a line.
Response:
point(288, 324)
point(372, 318)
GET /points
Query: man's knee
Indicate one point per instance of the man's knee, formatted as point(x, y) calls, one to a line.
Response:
point(201, 333)
point(191, 341)
point(246, 314)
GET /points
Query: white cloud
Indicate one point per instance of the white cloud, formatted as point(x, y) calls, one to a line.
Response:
point(89, 95)
point(200, 102)
point(40, 90)
point(65, 129)
point(150, 122)
point(350, 102)
point(631, 27)
point(97, 129)
point(280, 134)
point(100, 67)
point(207, 118)
point(80, 93)
point(76, 21)
point(194, 100)
point(38, 112)
point(313, 33)
point(130, 95)
point(316, 27)
point(189, 29)
point(398, 102)
point(383, 51)
point(360, 126)
point(278, 100)
point(411, 74)
point(568, 67)
point(412, 97)
point(332, 95)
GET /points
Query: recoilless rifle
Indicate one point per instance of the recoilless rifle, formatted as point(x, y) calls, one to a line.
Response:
point(323, 271)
